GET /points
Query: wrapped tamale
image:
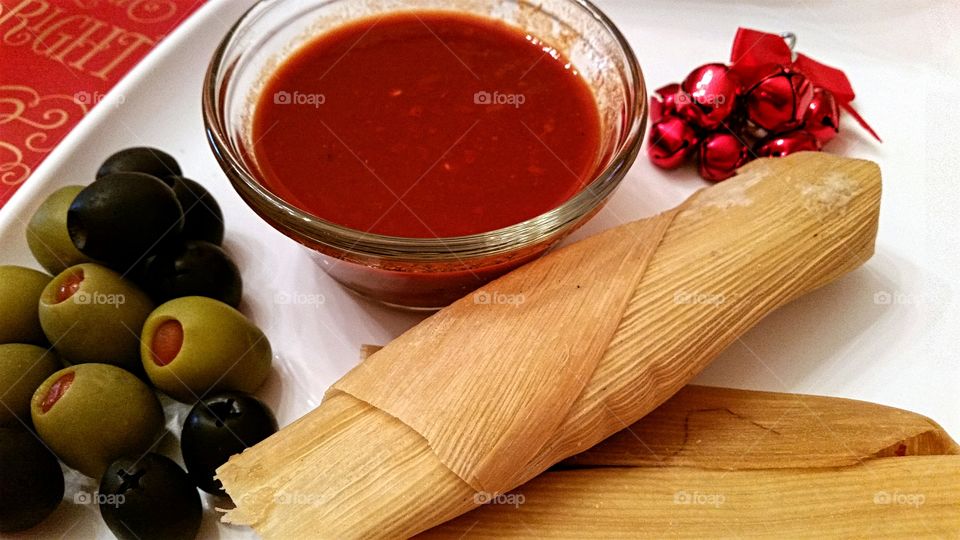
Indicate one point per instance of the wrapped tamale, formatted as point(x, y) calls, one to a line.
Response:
point(722, 462)
point(483, 396)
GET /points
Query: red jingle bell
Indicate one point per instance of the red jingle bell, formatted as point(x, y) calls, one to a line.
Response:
point(664, 102)
point(672, 142)
point(788, 143)
point(779, 102)
point(708, 95)
point(823, 116)
point(721, 154)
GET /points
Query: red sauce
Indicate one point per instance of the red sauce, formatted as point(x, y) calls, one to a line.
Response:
point(426, 125)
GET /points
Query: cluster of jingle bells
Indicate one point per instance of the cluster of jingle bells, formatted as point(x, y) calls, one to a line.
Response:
point(767, 102)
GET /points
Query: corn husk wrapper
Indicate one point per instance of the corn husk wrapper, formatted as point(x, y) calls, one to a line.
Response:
point(730, 429)
point(719, 462)
point(482, 397)
point(900, 497)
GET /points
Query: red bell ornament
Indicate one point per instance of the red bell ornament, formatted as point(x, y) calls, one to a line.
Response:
point(788, 143)
point(672, 141)
point(708, 96)
point(664, 102)
point(779, 102)
point(721, 154)
point(823, 116)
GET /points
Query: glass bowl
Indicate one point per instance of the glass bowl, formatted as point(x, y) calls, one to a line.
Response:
point(421, 273)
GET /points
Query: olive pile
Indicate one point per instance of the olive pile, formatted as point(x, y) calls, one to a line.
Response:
point(79, 351)
point(144, 220)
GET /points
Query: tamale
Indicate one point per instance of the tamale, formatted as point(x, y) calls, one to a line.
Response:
point(480, 397)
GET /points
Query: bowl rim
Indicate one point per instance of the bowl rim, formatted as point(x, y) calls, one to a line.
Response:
point(316, 231)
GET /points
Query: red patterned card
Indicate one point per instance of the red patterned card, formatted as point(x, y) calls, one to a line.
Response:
point(58, 59)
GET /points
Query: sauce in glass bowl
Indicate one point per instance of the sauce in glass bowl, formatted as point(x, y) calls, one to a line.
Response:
point(421, 148)
point(426, 125)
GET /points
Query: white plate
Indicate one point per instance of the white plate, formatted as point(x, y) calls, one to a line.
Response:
point(887, 333)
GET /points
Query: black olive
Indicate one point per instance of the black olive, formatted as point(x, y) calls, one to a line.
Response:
point(149, 497)
point(202, 218)
point(120, 218)
point(142, 159)
point(218, 427)
point(31, 481)
point(191, 268)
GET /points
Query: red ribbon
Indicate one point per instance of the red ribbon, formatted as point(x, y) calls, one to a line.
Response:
point(755, 54)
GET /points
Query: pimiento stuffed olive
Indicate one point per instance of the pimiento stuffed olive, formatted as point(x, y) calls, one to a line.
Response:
point(92, 414)
point(193, 268)
point(31, 482)
point(141, 159)
point(202, 218)
point(218, 427)
point(193, 346)
point(91, 314)
point(149, 497)
point(122, 217)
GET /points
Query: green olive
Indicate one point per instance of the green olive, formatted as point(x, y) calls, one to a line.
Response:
point(20, 290)
point(93, 414)
point(47, 234)
point(22, 369)
point(92, 314)
point(195, 345)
